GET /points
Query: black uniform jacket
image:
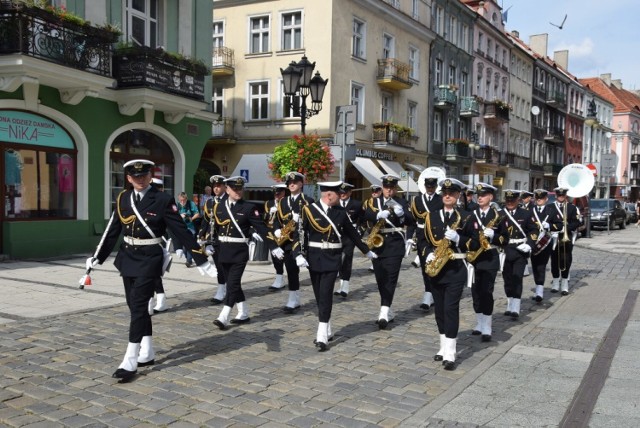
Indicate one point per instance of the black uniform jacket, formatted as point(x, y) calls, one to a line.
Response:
point(285, 212)
point(420, 206)
point(355, 213)
point(205, 230)
point(160, 212)
point(394, 242)
point(317, 229)
point(530, 229)
point(246, 215)
point(557, 218)
point(474, 227)
point(435, 228)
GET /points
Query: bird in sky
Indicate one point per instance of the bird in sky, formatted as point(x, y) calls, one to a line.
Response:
point(562, 24)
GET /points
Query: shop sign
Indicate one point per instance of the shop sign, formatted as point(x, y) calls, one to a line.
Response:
point(27, 128)
point(374, 154)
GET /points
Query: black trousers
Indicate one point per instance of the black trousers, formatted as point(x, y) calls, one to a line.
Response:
point(539, 265)
point(347, 259)
point(158, 287)
point(446, 297)
point(426, 279)
point(138, 290)
point(233, 272)
point(387, 271)
point(322, 283)
point(482, 291)
point(278, 264)
point(221, 274)
point(293, 271)
point(561, 259)
point(512, 274)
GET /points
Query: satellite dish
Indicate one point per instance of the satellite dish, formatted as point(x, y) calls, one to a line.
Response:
point(535, 110)
point(608, 134)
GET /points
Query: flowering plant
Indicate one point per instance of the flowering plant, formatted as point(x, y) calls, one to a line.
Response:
point(458, 141)
point(401, 130)
point(305, 154)
point(502, 104)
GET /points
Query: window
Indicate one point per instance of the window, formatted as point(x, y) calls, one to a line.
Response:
point(412, 114)
point(415, 9)
point(437, 126)
point(464, 43)
point(290, 104)
point(489, 47)
point(450, 127)
point(258, 100)
point(451, 78)
point(439, 20)
point(358, 43)
point(259, 34)
point(464, 83)
point(142, 22)
point(453, 30)
point(414, 62)
point(386, 108)
point(217, 101)
point(218, 34)
point(388, 46)
point(438, 72)
point(357, 99)
point(291, 31)
point(481, 42)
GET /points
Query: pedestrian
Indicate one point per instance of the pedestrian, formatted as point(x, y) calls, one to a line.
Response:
point(564, 226)
point(390, 215)
point(159, 303)
point(212, 246)
point(446, 242)
point(143, 214)
point(326, 226)
point(189, 212)
point(233, 219)
point(353, 207)
point(270, 213)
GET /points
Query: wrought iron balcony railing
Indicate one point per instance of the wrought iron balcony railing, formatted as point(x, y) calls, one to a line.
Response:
point(457, 150)
point(393, 74)
point(222, 128)
point(552, 168)
point(445, 97)
point(387, 134)
point(223, 61)
point(496, 111)
point(554, 134)
point(469, 107)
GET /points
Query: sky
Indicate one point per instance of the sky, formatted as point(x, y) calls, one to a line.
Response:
point(601, 36)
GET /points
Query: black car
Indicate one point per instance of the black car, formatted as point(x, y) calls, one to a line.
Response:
point(607, 213)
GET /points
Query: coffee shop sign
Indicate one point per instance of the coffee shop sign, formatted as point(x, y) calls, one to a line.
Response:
point(374, 154)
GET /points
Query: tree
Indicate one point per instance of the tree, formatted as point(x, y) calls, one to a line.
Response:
point(305, 154)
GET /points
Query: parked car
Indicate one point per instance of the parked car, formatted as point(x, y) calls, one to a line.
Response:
point(632, 214)
point(607, 213)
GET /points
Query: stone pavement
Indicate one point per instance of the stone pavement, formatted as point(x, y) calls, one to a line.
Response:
point(59, 346)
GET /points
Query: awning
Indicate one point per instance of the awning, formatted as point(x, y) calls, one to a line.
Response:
point(416, 168)
point(368, 169)
point(255, 169)
point(407, 184)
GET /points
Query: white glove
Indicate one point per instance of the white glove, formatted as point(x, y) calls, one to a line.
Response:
point(525, 248)
point(488, 233)
point(257, 237)
point(382, 214)
point(545, 225)
point(91, 263)
point(201, 242)
point(179, 253)
point(301, 261)
point(407, 247)
point(273, 210)
point(371, 255)
point(278, 253)
point(208, 250)
point(452, 235)
point(295, 217)
point(431, 257)
point(207, 268)
point(278, 233)
point(397, 209)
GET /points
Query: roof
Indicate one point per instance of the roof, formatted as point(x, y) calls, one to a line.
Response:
point(622, 100)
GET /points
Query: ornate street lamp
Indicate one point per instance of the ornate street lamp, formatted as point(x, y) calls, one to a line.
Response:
point(298, 79)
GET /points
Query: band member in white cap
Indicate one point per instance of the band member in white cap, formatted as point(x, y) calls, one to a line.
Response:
point(522, 237)
point(270, 213)
point(286, 222)
point(143, 214)
point(446, 243)
point(355, 214)
point(212, 246)
point(325, 226)
point(376, 192)
point(542, 216)
point(233, 220)
point(564, 224)
point(390, 215)
point(486, 227)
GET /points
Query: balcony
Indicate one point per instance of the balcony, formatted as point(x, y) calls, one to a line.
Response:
point(393, 74)
point(142, 67)
point(222, 130)
point(537, 133)
point(556, 99)
point(445, 97)
point(634, 182)
point(390, 134)
point(437, 148)
point(41, 34)
point(223, 64)
point(488, 155)
point(496, 112)
point(515, 161)
point(457, 149)
point(635, 159)
point(554, 135)
point(469, 107)
point(552, 169)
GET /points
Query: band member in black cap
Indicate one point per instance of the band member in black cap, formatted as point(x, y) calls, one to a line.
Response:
point(446, 244)
point(542, 216)
point(270, 213)
point(390, 215)
point(233, 220)
point(488, 232)
point(325, 226)
point(212, 246)
point(143, 214)
point(421, 205)
point(355, 215)
point(565, 220)
point(526, 200)
point(522, 237)
point(471, 204)
point(286, 222)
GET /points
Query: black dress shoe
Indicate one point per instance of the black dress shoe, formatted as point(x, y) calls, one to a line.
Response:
point(145, 364)
point(220, 324)
point(240, 320)
point(337, 293)
point(382, 323)
point(290, 310)
point(344, 294)
point(537, 298)
point(425, 307)
point(315, 342)
point(515, 315)
point(215, 301)
point(437, 357)
point(553, 290)
point(155, 311)
point(414, 264)
point(124, 375)
point(449, 365)
point(476, 333)
point(508, 313)
point(565, 293)
point(322, 346)
point(486, 338)
point(276, 288)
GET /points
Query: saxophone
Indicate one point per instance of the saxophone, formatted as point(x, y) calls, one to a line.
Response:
point(484, 242)
point(286, 231)
point(443, 252)
point(375, 238)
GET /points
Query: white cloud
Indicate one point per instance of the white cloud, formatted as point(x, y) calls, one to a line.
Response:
point(581, 50)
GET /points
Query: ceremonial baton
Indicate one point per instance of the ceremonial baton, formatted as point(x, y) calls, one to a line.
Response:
point(86, 279)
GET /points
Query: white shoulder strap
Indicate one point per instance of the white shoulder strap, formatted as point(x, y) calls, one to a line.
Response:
point(323, 214)
point(140, 219)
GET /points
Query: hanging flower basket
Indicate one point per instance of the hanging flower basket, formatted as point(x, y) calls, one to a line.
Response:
point(305, 154)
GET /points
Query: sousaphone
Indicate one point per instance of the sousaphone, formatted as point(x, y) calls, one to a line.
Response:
point(431, 172)
point(577, 179)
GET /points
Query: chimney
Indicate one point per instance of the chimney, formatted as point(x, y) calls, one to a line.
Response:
point(515, 34)
point(617, 83)
point(606, 78)
point(562, 58)
point(480, 10)
point(538, 43)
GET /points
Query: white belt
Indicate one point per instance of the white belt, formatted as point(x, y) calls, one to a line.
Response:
point(325, 245)
point(139, 241)
point(420, 225)
point(459, 256)
point(391, 230)
point(517, 241)
point(230, 239)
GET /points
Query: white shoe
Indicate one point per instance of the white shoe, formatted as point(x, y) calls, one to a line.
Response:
point(243, 313)
point(147, 354)
point(130, 361)
point(427, 301)
point(539, 293)
point(509, 306)
point(223, 319)
point(440, 354)
point(221, 293)
point(485, 328)
point(344, 288)
point(161, 304)
point(322, 336)
point(564, 287)
point(152, 303)
point(278, 283)
point(555, 285)
point(478, 329)
point(449, 356)
point(383, 317)
point(293, 303)
point(515, 308)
